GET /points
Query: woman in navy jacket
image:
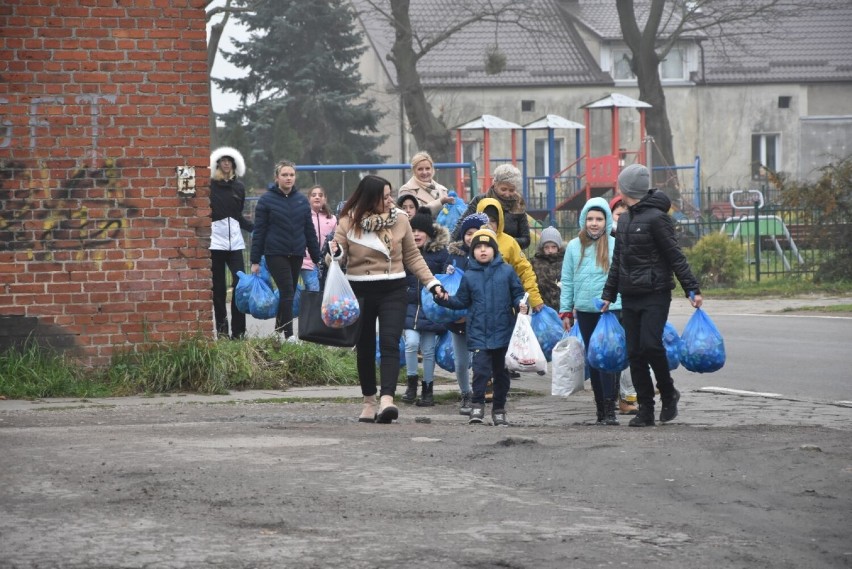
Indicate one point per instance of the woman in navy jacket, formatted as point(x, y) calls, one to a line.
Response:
point(283, 229)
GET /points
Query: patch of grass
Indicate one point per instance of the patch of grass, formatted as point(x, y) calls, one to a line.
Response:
point(35, 372)
point(835, 308)
point(788, 287)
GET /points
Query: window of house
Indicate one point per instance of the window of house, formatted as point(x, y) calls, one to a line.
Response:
point(542, 155)
point(765, 154)
point(527, 106)
point(672, 67)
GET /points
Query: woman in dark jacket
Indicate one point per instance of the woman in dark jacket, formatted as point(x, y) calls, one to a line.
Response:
point(420, 333)
point(227, 198)
point(283, 230)
point(506, 182)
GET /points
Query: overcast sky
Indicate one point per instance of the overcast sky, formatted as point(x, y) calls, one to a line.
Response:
point(223, 102)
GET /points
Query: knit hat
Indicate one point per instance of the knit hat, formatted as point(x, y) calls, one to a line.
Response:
point(551, 235)
point(420, 157)
point(476, 220)
point(408, 197)
point(487, 236)
point(634, 181)
point(422, 220)
point(613, 203)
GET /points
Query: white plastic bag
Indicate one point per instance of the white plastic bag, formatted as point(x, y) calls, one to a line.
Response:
point(525, 353)
point(568, 367)
point(339, 306)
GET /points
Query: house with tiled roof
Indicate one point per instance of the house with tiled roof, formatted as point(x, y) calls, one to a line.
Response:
point(780, 99)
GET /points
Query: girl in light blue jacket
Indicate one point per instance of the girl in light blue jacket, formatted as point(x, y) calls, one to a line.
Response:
point(584, 273)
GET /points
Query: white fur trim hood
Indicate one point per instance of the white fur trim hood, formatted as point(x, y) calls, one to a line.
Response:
point(233, 153)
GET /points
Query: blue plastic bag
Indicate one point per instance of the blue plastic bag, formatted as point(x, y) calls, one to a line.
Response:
point(440, 314)
point(297, 297)
point(445, 357)
point(451, 213)
point(262, 301)
point(242, 291)
point(672, 343)
point(608, 344)
point(264, 272)
point(401, 352)
point(548, 329)
point(702, 349)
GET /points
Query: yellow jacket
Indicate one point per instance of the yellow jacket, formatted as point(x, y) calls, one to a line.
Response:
point(512, 254)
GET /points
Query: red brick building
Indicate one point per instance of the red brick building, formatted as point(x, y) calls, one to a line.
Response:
point(103, 116)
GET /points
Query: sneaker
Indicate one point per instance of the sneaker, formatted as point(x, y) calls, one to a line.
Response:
point(669, 410)
point(464, 406)
point(627, 408)
point(293, 340)
point(498, 418)
point(514, 374)
point(477, 414)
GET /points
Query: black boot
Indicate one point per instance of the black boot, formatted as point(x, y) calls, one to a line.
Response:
point(427, 399)
point(410, 394)
point(645, 417)
point(599, 406)
point(609, 412)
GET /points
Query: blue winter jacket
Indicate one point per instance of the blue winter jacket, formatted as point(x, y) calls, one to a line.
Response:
point(492, 294)
point(283, 226)
point(582, 279)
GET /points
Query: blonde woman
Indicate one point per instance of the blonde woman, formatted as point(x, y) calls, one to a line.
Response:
point(423, 186)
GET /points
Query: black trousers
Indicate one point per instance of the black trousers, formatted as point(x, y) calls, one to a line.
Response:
point(604, 384)
point(384, 302)
point(223, 260)
point(644, 318)
point(285, 273)
point(488, 364)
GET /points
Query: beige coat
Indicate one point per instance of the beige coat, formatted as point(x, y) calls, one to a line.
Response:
point(430, 199)
point(367, 258)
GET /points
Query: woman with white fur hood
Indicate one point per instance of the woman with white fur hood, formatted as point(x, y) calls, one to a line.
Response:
point(227, 198)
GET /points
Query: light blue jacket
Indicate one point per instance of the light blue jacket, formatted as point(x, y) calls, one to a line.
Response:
point(582, 279)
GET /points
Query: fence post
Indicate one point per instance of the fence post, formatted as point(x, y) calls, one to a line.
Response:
point(757, 240)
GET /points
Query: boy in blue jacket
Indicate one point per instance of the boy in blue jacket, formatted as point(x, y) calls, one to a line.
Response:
point(492, 293)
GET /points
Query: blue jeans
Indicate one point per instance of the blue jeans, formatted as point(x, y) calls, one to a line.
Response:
point(425, 342)
point(462, 360)
point(311, 278)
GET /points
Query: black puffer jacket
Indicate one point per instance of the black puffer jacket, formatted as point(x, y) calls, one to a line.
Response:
point(646, 252)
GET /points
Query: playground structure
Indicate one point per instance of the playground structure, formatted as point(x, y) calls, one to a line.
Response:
point(755, 229)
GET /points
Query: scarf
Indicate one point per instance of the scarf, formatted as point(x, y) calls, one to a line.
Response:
point(428, 187)
point(595, 236)
point(512, 204)
point(381, 224)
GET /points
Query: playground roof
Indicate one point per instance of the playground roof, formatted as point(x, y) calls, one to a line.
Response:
point(488, 121)
point(617, 100)
point(553, 121)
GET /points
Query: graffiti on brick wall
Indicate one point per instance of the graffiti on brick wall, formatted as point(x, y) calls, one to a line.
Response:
point(59, 208)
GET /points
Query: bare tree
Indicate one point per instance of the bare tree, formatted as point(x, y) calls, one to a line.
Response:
point(410, 46)
point(216, 31)
point(666, 22)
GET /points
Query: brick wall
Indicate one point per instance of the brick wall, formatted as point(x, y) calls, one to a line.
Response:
point(100, 102)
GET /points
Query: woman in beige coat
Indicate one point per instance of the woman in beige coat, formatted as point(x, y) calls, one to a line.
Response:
point(423, 186)
point(374, 240)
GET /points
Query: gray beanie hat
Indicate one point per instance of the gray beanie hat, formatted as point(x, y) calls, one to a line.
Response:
point(550, 235)
point(634, 181)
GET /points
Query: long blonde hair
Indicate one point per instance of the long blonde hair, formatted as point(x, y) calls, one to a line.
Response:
point(601, 244)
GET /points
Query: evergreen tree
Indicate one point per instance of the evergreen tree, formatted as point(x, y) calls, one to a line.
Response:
point(303, 96)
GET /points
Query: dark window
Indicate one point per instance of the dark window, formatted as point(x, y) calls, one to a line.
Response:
point(784, 102)
point(527, 106)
